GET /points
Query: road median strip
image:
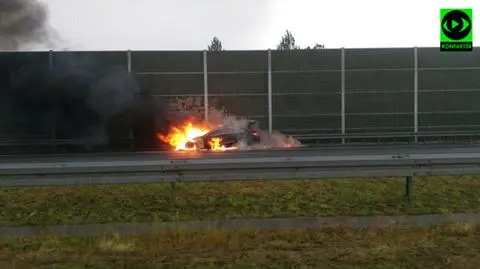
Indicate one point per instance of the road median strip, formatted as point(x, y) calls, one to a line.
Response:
point(128, 229)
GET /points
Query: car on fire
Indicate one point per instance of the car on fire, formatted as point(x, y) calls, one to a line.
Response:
point(228, 137)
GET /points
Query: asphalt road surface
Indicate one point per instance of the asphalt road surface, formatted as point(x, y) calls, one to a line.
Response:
point(292, 152)
point(128, 229)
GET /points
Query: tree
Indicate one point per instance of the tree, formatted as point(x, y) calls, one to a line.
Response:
point(316, 47)
point(287, 42)
point(215, 44)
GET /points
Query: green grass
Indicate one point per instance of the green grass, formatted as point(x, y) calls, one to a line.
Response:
point(201, 201)
point(449, 246)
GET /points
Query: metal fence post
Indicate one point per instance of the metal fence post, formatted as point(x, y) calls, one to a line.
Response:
point(129, 61)
point(415, 93)
point(342, 63)
point(54, 113)
point(270, 98)
point(129, 68)
point(50, 58)
point(205, 85)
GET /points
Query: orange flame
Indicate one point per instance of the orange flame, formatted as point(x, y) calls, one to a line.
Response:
point(178, 137)
point(216, 144)
point(181, 138)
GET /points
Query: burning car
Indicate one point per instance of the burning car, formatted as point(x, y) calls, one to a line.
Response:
point(226, 137)
point(232, 134)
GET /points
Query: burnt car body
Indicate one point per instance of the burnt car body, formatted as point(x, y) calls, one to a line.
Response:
point(229, 136)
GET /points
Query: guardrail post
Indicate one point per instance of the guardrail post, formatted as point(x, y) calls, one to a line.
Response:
point(270, 97)
point(342, 64)
point(205, 85)
point(173, 191)
point(129, 68)
point(408, 188)
point(415, 93)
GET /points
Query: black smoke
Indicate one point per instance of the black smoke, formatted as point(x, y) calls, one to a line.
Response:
point(78, 98)
point(73, 100)
point(22, 23)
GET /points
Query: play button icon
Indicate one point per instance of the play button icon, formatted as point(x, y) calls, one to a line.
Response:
point(456, 25)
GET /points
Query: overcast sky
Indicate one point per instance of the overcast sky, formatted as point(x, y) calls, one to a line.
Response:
point(249, 24)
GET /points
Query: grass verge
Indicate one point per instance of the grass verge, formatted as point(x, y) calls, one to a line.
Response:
point(201, 201)
point(447, 246)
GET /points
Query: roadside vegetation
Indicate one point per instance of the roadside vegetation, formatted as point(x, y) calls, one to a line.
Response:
point(230, 200)
point(454, 245)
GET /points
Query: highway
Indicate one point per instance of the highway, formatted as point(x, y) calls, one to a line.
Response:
point(290, 152)
point(297, 163)
point(294, 164)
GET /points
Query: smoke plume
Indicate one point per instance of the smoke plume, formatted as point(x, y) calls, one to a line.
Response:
point(77, 98)
point(274, 139)
point(73, 98)
point(22, 23)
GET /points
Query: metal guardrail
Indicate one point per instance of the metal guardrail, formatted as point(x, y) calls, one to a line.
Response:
point(24, 174)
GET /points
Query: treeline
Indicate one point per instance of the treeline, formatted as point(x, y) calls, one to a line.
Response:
point(287, 42)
